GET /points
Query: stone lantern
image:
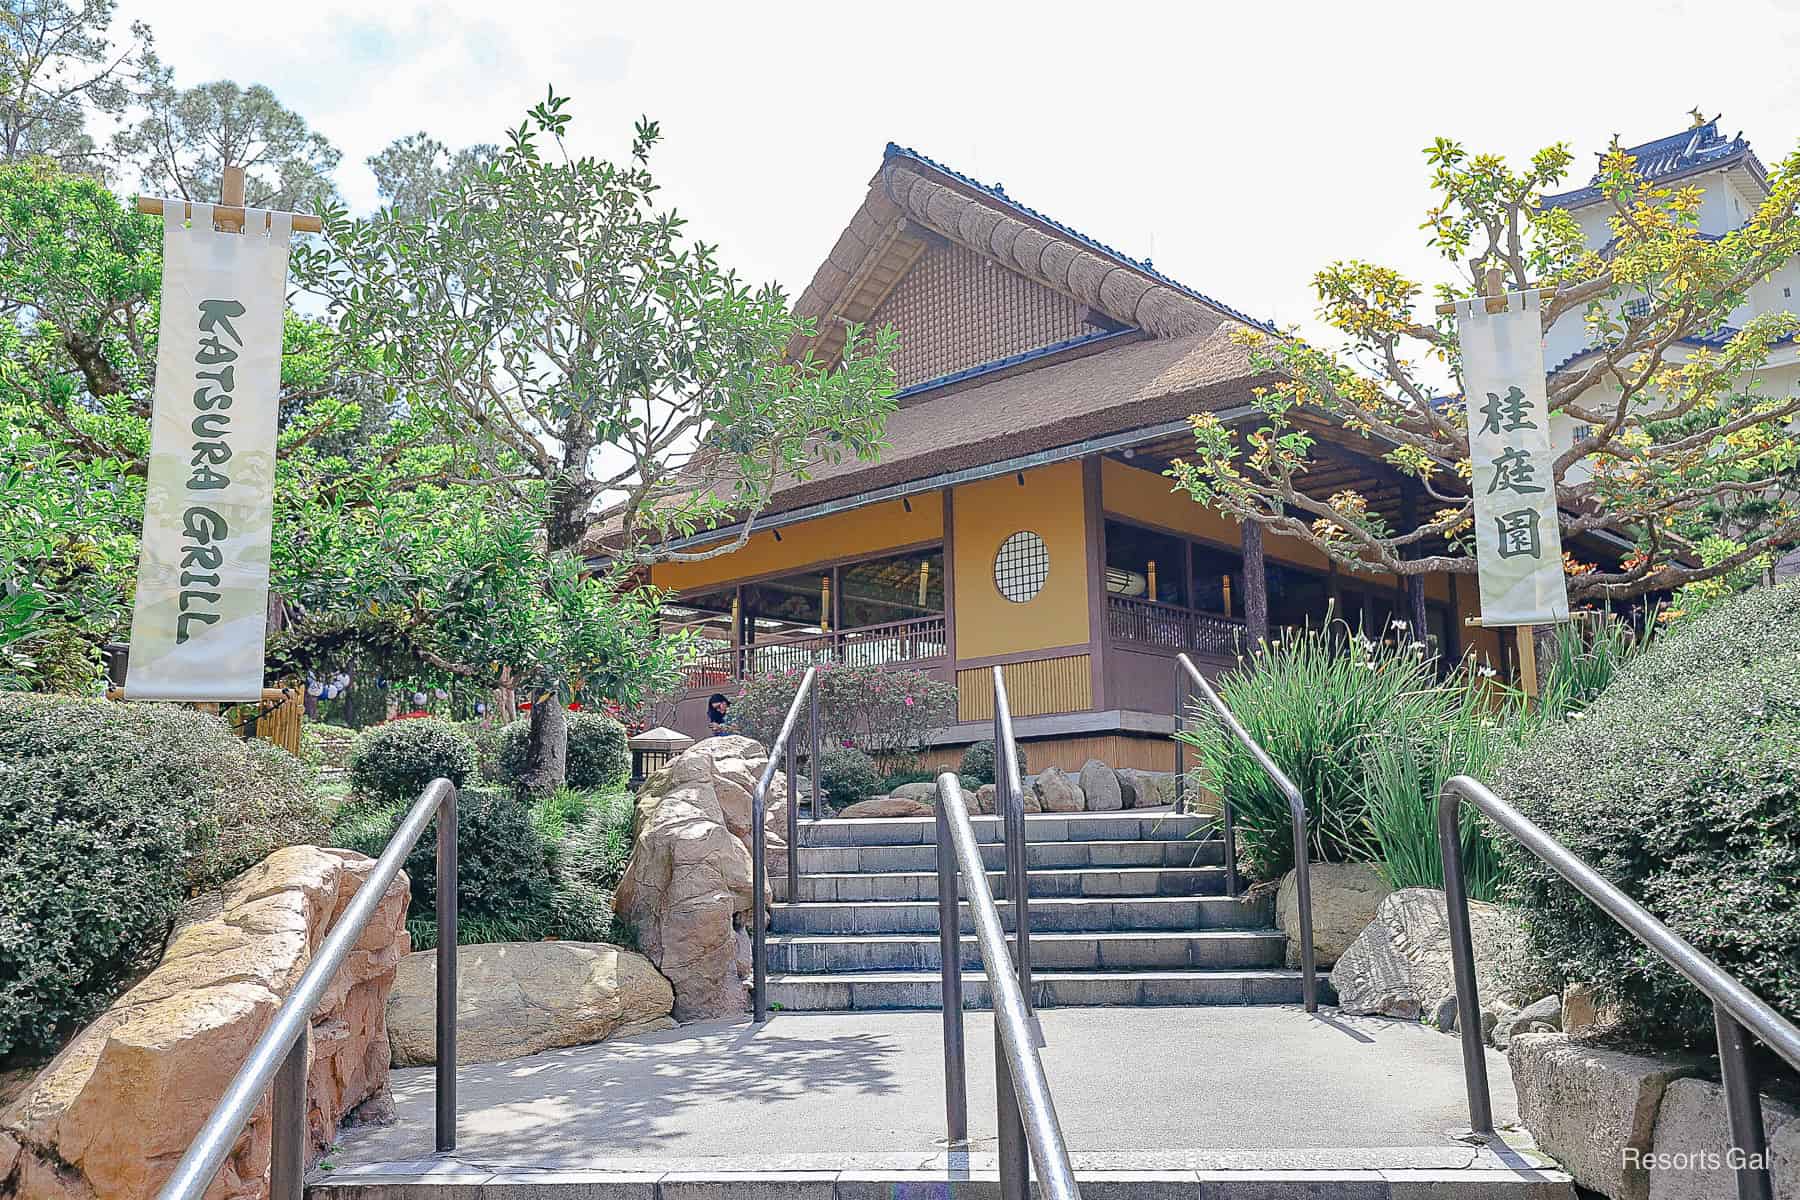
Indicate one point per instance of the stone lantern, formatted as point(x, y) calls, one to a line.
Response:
point(651, 751)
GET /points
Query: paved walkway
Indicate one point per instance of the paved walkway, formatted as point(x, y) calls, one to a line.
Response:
point(1130, 1081)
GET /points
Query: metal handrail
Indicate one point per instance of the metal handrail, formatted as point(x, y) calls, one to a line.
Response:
point(1296, 811)
point(807, 694)
point(280, 1054)
point(1022, 1090)
point(1737, 1011)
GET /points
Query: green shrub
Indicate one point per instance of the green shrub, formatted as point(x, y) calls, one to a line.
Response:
point(586, 868)
point(894, 779)
point(977, 765)
point(392, 763)
point(327, 746)
point(1681, 785)
point(1311, 698)
point(502, 868)
point(881, 710)
point(109, 815)
point(510, 746)
point(598, 755)
point(555, 814)
point(486, 738)
point(847, 776)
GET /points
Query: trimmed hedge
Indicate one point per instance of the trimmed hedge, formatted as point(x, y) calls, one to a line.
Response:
point(978, 763)
point(1681, 785)
point(392, 763)
point(848, 775)
point(599, 757)
point(109, 815)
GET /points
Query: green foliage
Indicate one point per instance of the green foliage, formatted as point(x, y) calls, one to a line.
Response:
point(558, 812)
point(599, 757)
point(392, 763)
point(586, 867)
point(58, 66)
point(847, 775)
point(1586, 657)
point(978, 763)
point(325, 745)
point(109, 815)
point(880, 710)
point(894, 779)
point(1681, 785)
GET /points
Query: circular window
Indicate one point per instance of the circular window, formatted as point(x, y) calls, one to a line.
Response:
point(1021, 566)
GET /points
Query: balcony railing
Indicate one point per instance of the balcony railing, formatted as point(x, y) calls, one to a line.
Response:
point(897, 643)
point(1171, 627)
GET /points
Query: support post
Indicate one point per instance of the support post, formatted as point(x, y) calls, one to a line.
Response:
point(759, 910)
point(956, 1080)
point(1462, 962)
point(1743, 1109)
point(446, 970)
point(1011, 1148)
point(1181, 700)
point(818, 790)
point(1231, 871)
point(287, 1155)
point(1256, 586)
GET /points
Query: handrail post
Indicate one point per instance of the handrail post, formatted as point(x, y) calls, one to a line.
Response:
point(1009, 810)
point(759, 848)
point(818, 793)
point(956, 1079)
point(793, 811)
point(1182, 691)
point(446, 969)
point(1462, 961)
point(1743, 1108)
point(1010, 1147)
point(287, 1153)
point(1230, 822)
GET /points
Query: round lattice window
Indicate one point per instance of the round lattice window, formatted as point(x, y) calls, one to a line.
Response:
point(1021, 566)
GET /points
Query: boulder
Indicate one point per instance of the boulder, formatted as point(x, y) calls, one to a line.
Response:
point(1056, 792)
point(984, 797)
point(1148, 789)
point(887, 806)
point(114, 1111)
point(1541, 1016)
point(1582, 1010)
point(1100, 787)
point(517, 998)
point(924, 792)
point(1593, 1110)
point(1399, 966)
point(686, 887)
point(1345, 897)
point(1691, 1147)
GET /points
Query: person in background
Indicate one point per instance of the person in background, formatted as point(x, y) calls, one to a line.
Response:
point(718, 713)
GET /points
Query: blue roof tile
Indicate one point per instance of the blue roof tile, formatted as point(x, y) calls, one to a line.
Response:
point(995, 191)
point(1702, 148)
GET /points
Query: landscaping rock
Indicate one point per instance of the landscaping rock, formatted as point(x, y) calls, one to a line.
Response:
point(1345, 897)
point(924, 792)
point(1582, 1010)
point(1129, 785)
point(1593, 1110)
point(1542, 1016)
point(517, 998)
point(1100, 787)
point(1058, 793)
point(114, 1111)
point(687, 885)
point(1400, 965)
point(984, 797)
point(1692, 1144)
point(888, 806)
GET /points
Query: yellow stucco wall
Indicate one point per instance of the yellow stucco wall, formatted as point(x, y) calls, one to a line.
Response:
point(1146, 496)
point(986, 514)
point(862, 531)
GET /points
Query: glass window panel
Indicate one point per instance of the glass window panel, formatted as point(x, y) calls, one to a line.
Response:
point(1131, 551)
point(899, 587)
point(791, 606)
point(1218, 584)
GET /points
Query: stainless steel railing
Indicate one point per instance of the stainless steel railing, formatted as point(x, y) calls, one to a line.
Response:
point(808, 696)
point(1030, 1133)
point(1737, 1012)
point(280, 1054)
point(1296, 810)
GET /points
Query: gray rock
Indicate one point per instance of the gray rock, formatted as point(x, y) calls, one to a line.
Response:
point(1593, 1110)
point(1056, 792)
point(1582, 1010)
point(1345, 898)
point(984, 798)
point(1100, 787)
point(924, 792)
point(886, 806)
point(1444, 1014)
point(1129, 787)
point(1542, 1016)
point(1692, 1143)
point(1400, 965)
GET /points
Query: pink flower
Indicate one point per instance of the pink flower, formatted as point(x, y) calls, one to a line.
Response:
point(909, 702)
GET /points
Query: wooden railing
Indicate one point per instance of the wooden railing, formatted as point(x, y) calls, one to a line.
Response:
point(897, 643)
point(1171, 627)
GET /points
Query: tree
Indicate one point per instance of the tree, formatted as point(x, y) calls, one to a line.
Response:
point(548, 317)
point(413, 169)
point(183, 144)
point(1687, 455)
point(58, 67)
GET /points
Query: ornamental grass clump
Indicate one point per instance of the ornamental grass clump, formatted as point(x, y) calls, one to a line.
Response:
point(1680, 784)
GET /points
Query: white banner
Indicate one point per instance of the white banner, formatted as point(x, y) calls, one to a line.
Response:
point(1518, 542)
point(203, 572)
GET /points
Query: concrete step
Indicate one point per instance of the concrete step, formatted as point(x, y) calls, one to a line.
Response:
point(1133, 825)
point(1076, 881)
point(1049, 989)
point(1187, 852)
point(807, 954)
point(1057, 914)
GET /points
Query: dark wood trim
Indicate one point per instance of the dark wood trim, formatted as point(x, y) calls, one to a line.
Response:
point(1167, 531)
point(1095, 520)
point(815, 568)
point(1024, 656)
point(949, 544)
point(1454, 650)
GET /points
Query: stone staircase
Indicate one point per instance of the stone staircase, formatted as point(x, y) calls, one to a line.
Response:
point(1127, 908)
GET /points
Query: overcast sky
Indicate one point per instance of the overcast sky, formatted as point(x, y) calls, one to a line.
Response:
point(1240, 146)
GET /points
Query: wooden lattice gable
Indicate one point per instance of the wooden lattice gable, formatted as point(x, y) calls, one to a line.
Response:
point(971, 278)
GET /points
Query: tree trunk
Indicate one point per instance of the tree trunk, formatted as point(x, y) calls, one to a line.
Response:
point(547, 751)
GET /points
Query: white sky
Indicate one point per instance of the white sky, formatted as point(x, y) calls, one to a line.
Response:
point(1240, 146)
